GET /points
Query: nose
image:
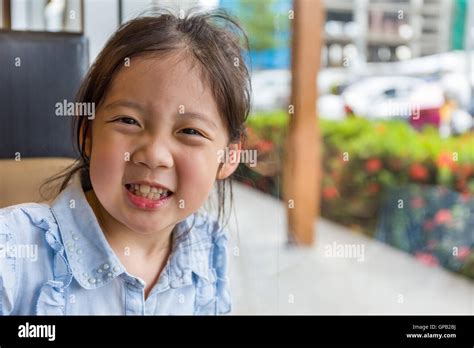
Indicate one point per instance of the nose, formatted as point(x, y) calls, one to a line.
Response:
point(153, 153)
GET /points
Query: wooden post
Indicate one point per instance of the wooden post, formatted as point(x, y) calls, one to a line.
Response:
point(302, 162)
point(7, 15)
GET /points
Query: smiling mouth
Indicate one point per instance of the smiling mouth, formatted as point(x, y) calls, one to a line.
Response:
point(148, 192)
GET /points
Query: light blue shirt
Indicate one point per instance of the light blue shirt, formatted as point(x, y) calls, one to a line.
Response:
point(54, 259)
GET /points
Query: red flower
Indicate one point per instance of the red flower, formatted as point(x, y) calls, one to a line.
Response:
point(426, 258)
point(463, 252)
point(373, 188)
point(444, 160)
point(417, 202)
point(418, 172)
point(443, 216)
point(264, 146)
point(373, 165)
point(330, 192)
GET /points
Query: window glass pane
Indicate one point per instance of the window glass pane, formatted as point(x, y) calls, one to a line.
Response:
point(46, 15)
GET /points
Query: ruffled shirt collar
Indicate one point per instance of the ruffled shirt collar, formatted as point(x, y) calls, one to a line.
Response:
point(94, 263)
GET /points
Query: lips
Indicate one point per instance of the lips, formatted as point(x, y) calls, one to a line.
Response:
point(138, 200)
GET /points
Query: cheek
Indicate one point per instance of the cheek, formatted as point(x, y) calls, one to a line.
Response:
point(196, 174)
point(106, 166)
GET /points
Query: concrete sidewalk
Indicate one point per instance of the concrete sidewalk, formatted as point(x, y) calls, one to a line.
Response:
point(268, 277)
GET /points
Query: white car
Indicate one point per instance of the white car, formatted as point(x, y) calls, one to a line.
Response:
point(391, 96)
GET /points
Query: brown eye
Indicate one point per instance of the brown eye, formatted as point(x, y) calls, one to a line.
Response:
point(128, 120)
point(191, 131)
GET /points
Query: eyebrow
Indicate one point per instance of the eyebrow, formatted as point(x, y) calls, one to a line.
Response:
point(139, 107)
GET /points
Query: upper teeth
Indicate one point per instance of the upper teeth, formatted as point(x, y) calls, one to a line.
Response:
point(148, 191)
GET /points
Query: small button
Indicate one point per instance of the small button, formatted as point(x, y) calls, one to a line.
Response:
point(116, 268)
point(99, 270)
point(71, 248)
point(79, 251)
point(92, 280)
point(106, 266)
point(75, 237)
point(110, 275)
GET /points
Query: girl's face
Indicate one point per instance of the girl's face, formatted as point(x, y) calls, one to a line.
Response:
point(158, 126)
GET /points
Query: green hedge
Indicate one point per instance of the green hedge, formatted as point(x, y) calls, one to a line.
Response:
point(362, 158)
point(400, 149)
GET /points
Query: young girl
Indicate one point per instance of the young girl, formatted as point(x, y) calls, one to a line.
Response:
point(125, 234)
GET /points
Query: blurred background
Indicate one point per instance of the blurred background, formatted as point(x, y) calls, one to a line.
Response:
point(395, 109)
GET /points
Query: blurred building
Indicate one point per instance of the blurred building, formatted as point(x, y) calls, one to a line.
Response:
point(363, 31)
point(356, 31)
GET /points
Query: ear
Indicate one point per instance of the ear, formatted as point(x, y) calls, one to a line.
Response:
point(230, 160)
